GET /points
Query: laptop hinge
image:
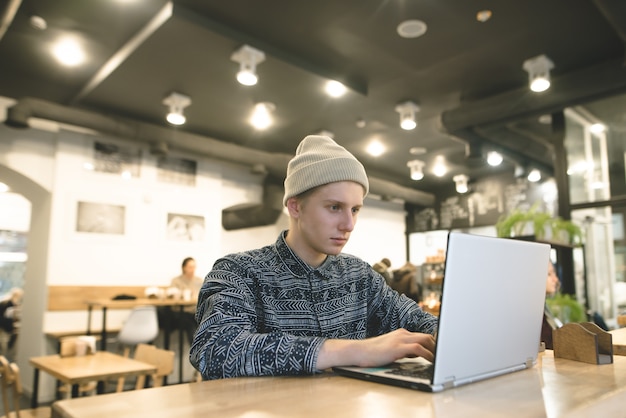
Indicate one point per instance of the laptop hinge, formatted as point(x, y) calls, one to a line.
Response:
point(448, 383)
point(529, 362)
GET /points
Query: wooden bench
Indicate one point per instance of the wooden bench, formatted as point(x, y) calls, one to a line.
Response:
point(72, 298)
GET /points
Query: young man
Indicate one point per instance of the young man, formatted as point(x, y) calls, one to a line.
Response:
point(300, 306)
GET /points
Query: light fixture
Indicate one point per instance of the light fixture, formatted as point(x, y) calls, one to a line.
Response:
point(538, 69)
point(460, 181)
point(176, 102)
point(262, 115)
point(68, 52)
point(440, 169)
point(417, 169)
point(597, 128)
point(534, 175)
point(412, 28)
point(376, 148)
point(407, 112)
point(483, 15)
point(3, 188)
point(335, 88)
point(248, 58)
point(494, 158)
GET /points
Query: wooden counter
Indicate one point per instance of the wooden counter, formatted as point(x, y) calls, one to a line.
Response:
point(554, 388)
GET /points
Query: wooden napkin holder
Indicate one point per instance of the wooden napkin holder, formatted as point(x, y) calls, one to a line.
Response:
point(584, 342)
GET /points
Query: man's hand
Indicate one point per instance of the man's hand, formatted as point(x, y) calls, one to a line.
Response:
point(376, 351)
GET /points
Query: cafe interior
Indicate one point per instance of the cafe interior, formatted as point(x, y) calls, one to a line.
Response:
point(138, 133)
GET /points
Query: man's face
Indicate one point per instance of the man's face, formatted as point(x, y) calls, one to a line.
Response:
point(324, 219)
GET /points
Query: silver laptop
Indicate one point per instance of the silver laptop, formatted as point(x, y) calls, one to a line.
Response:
point(490, 319)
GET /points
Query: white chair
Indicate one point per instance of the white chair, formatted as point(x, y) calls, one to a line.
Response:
point(141, 326)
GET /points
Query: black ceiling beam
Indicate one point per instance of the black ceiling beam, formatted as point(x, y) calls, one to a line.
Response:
point(357, 85)
point(574, 88)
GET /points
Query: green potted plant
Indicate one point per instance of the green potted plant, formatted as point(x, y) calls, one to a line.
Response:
point(566, 308)
point(540, 224)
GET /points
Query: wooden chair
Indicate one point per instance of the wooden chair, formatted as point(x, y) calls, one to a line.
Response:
point(163, 360)
point(68, 348)
point(10, 376)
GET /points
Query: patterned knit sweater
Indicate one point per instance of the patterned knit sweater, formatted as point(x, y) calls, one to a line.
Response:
point(266, 312)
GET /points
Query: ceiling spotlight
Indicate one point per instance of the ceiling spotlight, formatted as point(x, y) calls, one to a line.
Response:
point(538, 69)
point(461, 183)
point(262, 115)
point(3, 188)
point(176, 102)
point(534, 175)
point(335, 88)
point(248, 58)
point(407, 112)
point(494, 158)
point(417, 169)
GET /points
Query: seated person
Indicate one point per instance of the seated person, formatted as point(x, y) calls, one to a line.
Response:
point(188, 284)
point(9, 314)
point(300, 306)
point(550, 322)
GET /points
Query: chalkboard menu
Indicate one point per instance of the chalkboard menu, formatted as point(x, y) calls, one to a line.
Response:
point(487, 201)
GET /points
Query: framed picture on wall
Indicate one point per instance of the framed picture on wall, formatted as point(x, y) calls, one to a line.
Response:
point(185, 227)
point(100, 218)
point(177, 170)
point(117, 159)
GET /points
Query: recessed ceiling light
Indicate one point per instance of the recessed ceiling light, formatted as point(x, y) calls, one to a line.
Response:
point(376, 148)
point(3, 188)
point(262, 115)
point(494, 158)
point(335, 88)
point(440, 169)
point(417, 150)
point(483, 16)
point(68, 52)
point(411, 28)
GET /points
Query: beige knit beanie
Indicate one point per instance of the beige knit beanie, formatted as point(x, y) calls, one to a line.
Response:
point(320, 160)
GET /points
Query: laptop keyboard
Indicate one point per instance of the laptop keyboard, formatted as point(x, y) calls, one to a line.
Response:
point(420, 371)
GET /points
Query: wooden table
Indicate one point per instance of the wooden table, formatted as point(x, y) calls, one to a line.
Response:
point(106, 304)
point(100, 366)
point(619, 341)
point(554, 388)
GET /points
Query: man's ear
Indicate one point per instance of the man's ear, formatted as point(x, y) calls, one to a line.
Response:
point(293, 207)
